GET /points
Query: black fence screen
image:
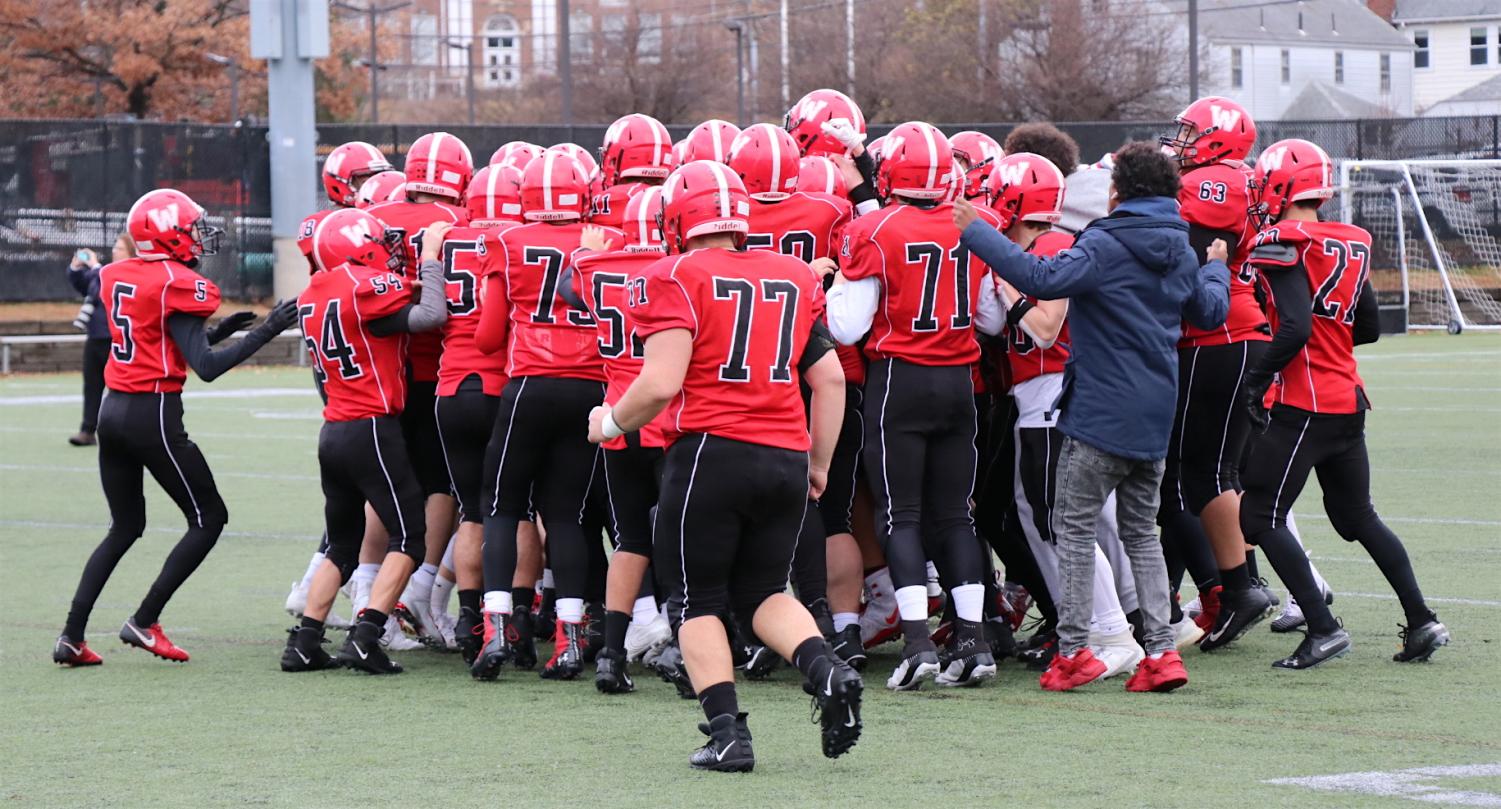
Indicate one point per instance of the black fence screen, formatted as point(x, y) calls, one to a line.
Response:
point(68, 184)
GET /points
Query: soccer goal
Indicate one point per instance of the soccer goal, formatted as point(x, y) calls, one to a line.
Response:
point(1436, 237)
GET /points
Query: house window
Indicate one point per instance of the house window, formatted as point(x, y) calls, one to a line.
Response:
point(1479, 53)
point(649, 46)
point(1287, 66)
point(1237, 69)
point(424, 39)
point(1420, 56)
point(502, 51)
point(581, 36)
point(1339, 67)
point(1386, 73)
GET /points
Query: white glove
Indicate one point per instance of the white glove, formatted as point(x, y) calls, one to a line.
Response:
point(843, 131)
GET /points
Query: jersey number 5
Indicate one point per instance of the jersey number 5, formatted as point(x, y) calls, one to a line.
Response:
point(125, 350)
point(743, 293)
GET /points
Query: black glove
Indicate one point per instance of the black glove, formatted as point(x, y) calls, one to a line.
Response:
point(229, 326)
point(1253, 400)
point(282, 317)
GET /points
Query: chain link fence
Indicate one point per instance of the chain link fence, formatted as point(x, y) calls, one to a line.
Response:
point(65, 185)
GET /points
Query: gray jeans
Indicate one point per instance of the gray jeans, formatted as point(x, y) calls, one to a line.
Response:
point(1086, 476)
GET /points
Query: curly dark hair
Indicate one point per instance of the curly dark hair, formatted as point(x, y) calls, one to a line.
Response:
point(1046, 140)
point(1142, 170)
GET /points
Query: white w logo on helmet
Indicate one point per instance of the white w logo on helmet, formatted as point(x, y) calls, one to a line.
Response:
point(1271, 160)
point(812, 107)
point(165, 217)
point(1222, 118)
point(357, 232)
point(332, 164)
point(1013, 173)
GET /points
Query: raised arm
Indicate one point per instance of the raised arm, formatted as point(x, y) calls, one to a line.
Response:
point(192, 340)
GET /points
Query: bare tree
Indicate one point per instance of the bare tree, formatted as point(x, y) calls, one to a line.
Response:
point(678, 71)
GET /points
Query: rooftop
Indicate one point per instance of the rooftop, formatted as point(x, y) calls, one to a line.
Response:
point(1321, 22)
point(1409, 11)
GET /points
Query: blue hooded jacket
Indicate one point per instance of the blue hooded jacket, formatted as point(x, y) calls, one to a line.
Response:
point(1131, 279)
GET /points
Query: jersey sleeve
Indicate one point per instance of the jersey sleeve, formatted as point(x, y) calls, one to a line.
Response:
point(859, 257)
point(381, 294)
point(191, 294)
point(662, 305)
point(1278, 248)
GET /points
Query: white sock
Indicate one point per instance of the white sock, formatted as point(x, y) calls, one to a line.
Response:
point(366, 572)
point(912, 602)
point(312, 567)
point(498, 601)
point(547, 578)
point(644, 611)
point(969, 602)
point(448, 552)
point(934, 588)
point(1107, 617)
point(571, 610)
point(421, 583)
point(442, 591)
point(844, 620)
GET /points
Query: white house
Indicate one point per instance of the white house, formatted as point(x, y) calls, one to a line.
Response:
point(1313, 59)
point(1457, 47)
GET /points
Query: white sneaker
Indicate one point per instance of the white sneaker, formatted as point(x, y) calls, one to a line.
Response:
point(642, 639)
point(396, 640)
point(1186, 633)
point(419, 610)
point(1119, 652)
point(880, 621)
point(1193, 609)
point(443, 626)
point(297, 600)
point(1291, 617)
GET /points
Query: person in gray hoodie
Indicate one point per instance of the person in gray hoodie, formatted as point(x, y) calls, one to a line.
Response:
point(1131, 279)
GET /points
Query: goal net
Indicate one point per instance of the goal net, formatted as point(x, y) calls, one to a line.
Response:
point(1436, 237)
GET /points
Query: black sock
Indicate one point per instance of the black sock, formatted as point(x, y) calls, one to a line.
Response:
point(1176, 608)
point(1251, 568)
point(470, 600)
point(916, 632)
point(970, 631)
point(616, 623)
point(1236, 579)
point(1291, 563)
point(813, 658)
point(312, 623)
point(375, 618)
point(522, 598)
point(719, 700)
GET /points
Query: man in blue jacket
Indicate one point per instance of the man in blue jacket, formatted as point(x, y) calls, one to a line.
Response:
point(1131, 279)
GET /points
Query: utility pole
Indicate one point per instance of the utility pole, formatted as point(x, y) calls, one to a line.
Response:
point(738, 26)
point(786, 99)
point(468, 73)
point(982, 40)
point(849, 48)
point(373, 61)
point(565, 61)
point(755, 73)
point(233, 68)
point(1193, 50)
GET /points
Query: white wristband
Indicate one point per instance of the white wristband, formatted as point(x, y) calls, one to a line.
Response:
point(609, 427)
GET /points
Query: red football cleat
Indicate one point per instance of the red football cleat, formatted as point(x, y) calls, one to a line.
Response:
point(1209, 605)
point(153, 640)
point(1159, 674)
point(943, 634)
point(1012, 603)
point(67, 653)
point(1067, 673)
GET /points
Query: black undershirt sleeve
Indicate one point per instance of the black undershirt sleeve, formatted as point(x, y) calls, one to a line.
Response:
point(1199, 238)
point(1294, 305)
point(820, 342)
point(430, 311)
point(191, 339)
point(1367, 327)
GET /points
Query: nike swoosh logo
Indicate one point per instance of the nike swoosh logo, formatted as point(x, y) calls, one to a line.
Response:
point(304, 657)
point(851, 722)
point(720, 755)
point(71, 649)
point(1215, 635)
point(361, 652)
point(149, 642)
point(828, 689)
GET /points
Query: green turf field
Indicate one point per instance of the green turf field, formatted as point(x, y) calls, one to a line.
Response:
point(229, 729)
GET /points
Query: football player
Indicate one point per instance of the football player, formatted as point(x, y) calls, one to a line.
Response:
point(602, 278)
point(515, 154)
point(538, 443)
point(806, 120)
point(156, 305)
point(975, 156)
point(1318, 274)
point(905, 280)
point(728, 334)
point(387, 186)
point(356, 314)
point(817, 174)
point(637, 153)
point(710, 140)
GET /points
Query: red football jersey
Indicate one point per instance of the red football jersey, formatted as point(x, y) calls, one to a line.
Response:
point(608, 207)
point(806, 226)
point(464, 252)
point(1218, 197)
point(138, 297)
point(412, 219)
point(929, 283)
point(750, 314)
point(362, 374)
point(1027, 360)
point(603, 281)
point(1323, 377)
point(548, 335)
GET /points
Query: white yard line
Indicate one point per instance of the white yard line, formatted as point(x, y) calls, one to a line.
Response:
point(21, 467)
point(101, 527)
point(241, 393)
point(1416, 784)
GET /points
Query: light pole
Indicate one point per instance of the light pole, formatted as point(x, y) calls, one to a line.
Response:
point(738, 26)
point(468, 74)
point(233, 68)
point(374, 61)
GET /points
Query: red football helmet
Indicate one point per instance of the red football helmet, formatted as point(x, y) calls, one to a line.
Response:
point(517, 154)
point(1025, 187)
point(1290, 171)
point(635, 146)
point(643, 221)
point(701, 198)
point(917, 163)
point(305, 237)
point(352, 236)
point(680, 152)
point(439, 164)
point(494, 195)
point(979, 152)
point(579, 153)
point(819, 175)
point(1211, 129)
point(875, 147)
point(168, 224)
point(710, 140)
point(766, 159)
point(554, 188)
point(347, 167)
point(388, 186)
point(806, 119)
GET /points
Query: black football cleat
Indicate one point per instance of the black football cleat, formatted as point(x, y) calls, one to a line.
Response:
point(1239, 612)
point(306, 654)
point(494, 651)
point(760, 661)
point(521, 632)
point(919, 662)
point(1316, 649)
point(1001, 637)
point(469, 633)
point(837, 703)
point(1419, 643)
point(1038, 650)
point(728, 748)
point(823, 617)
point(670, 667)
point(610, 675)
point(592, 641)
point(567, 653)
point(847, 645)
point(363, 652)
